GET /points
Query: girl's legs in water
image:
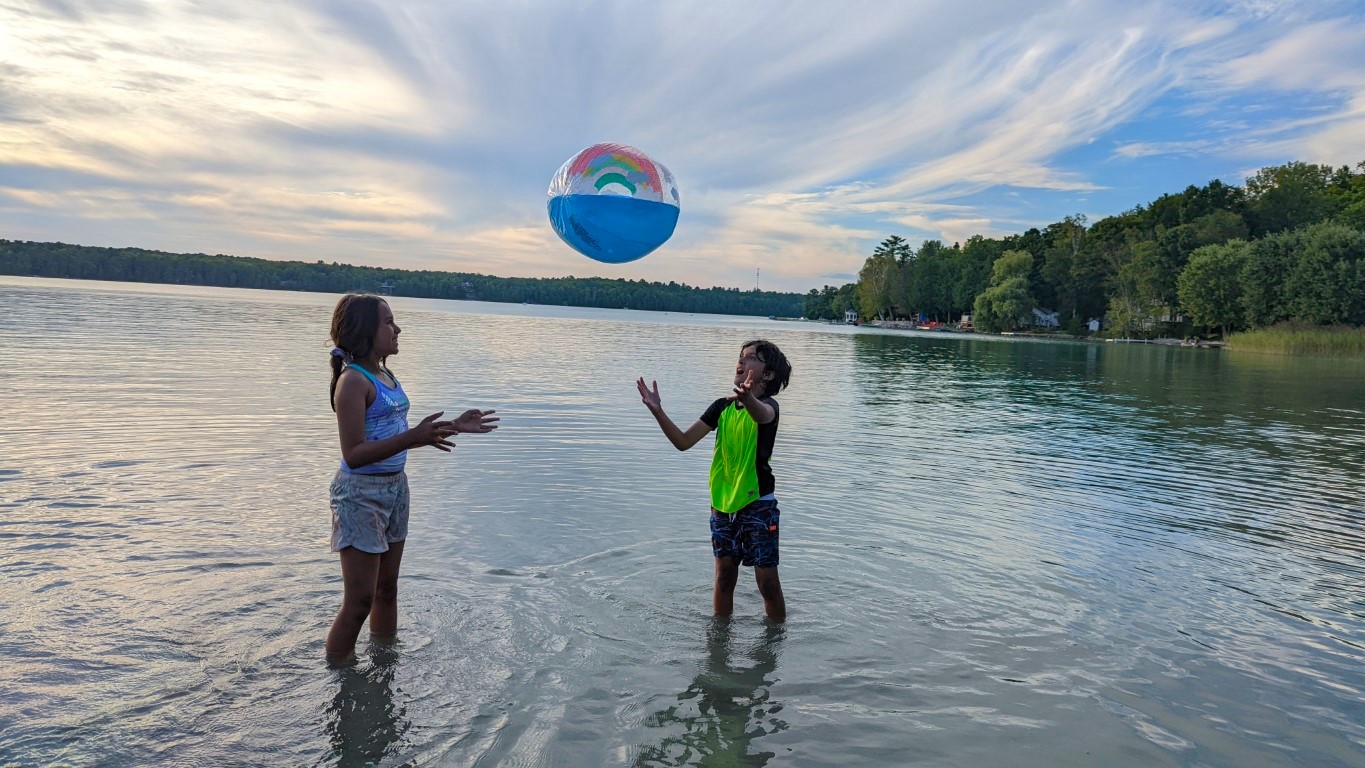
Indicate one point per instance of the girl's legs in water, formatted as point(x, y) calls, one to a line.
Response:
point(359, 576)
point(384, 613)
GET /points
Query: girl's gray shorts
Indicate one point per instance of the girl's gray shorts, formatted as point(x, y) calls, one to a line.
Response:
point(369, 512)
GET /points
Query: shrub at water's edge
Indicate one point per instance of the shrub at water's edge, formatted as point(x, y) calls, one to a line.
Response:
point(1302, 339)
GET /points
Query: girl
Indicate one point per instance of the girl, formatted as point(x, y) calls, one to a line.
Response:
point(370, 491)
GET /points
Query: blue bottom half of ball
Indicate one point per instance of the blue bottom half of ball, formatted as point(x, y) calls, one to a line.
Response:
point(612, 229)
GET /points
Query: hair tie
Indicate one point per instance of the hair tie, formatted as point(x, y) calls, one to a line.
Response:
point(343, 354)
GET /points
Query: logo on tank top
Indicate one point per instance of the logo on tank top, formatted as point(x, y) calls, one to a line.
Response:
point(397, 406)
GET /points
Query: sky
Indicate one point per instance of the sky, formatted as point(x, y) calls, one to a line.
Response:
point(423, 135)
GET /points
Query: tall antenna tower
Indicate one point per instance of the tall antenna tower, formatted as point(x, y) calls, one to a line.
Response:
point(756, 273)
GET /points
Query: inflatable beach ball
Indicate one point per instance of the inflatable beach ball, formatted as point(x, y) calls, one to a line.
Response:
point(613, 203)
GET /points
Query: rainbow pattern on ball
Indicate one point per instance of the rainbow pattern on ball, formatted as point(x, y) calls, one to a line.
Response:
point(613, 203)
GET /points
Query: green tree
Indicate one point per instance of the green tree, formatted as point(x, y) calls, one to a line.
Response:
point(813, 306)
point(1324, 285)
point(896, 247)
point(1348, 193)
point(972, 268)
point(1007, 304)
point(1106, 248)
point(899, 287)
point(845, 298)
point(1136, 304)
point(1174, 246)
point(879, 283)
point(1064, 240)
point(1264, 274)
point(1210, 286)
point(930, 281)
point(1286, 196)
point(819, 303)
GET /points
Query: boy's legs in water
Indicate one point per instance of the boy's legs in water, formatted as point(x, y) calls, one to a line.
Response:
point(749, 536)
point(359, 574)
point(384, 613)
point(769, 586)
point(774, 604)
point(723, 594)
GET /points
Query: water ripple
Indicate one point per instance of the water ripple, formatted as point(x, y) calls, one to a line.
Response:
point(993, 551)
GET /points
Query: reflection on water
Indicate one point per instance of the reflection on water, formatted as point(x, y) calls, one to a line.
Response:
point(995, 552)
point(727, 706)
point(367, 719)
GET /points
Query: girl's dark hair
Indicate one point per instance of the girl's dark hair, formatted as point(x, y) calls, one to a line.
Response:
point(355, 321)
point(773, 360)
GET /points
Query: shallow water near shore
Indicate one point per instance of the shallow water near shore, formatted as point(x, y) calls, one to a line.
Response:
point(994, 551)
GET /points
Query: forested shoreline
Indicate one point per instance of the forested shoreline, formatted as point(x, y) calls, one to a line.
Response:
point(1289, 246)
point(39, 259)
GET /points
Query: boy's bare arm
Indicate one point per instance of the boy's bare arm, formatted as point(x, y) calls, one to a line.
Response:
point(758, 410)
point(682, 440)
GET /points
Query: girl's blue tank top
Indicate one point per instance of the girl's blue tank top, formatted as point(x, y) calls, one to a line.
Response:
point(385, 417)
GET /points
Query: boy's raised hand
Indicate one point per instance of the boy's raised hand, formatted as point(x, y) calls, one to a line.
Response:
point(475, 421)
point(434, 433)
point(743, 389)
point(649, 397)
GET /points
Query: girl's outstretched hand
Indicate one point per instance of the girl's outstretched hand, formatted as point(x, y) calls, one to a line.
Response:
point(475, 420)
point(649, 397)
point(434, 433)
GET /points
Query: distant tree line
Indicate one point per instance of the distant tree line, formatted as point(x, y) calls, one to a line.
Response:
point(143, 266)
point(1289, 245)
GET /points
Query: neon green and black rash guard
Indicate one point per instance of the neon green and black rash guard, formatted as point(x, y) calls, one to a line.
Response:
point(740, 474)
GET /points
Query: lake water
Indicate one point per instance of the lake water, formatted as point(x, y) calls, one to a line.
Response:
point(995, 552)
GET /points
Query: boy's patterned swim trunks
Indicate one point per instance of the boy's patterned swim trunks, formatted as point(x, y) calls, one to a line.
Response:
point(749, 534)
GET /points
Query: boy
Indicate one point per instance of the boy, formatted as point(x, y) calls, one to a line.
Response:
point(744, 510)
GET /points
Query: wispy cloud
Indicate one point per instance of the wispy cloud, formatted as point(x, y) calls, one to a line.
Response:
point(423, 135)
point(1140, 149)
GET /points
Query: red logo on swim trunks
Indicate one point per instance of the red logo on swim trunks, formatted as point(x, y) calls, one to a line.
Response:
point(772, 527)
